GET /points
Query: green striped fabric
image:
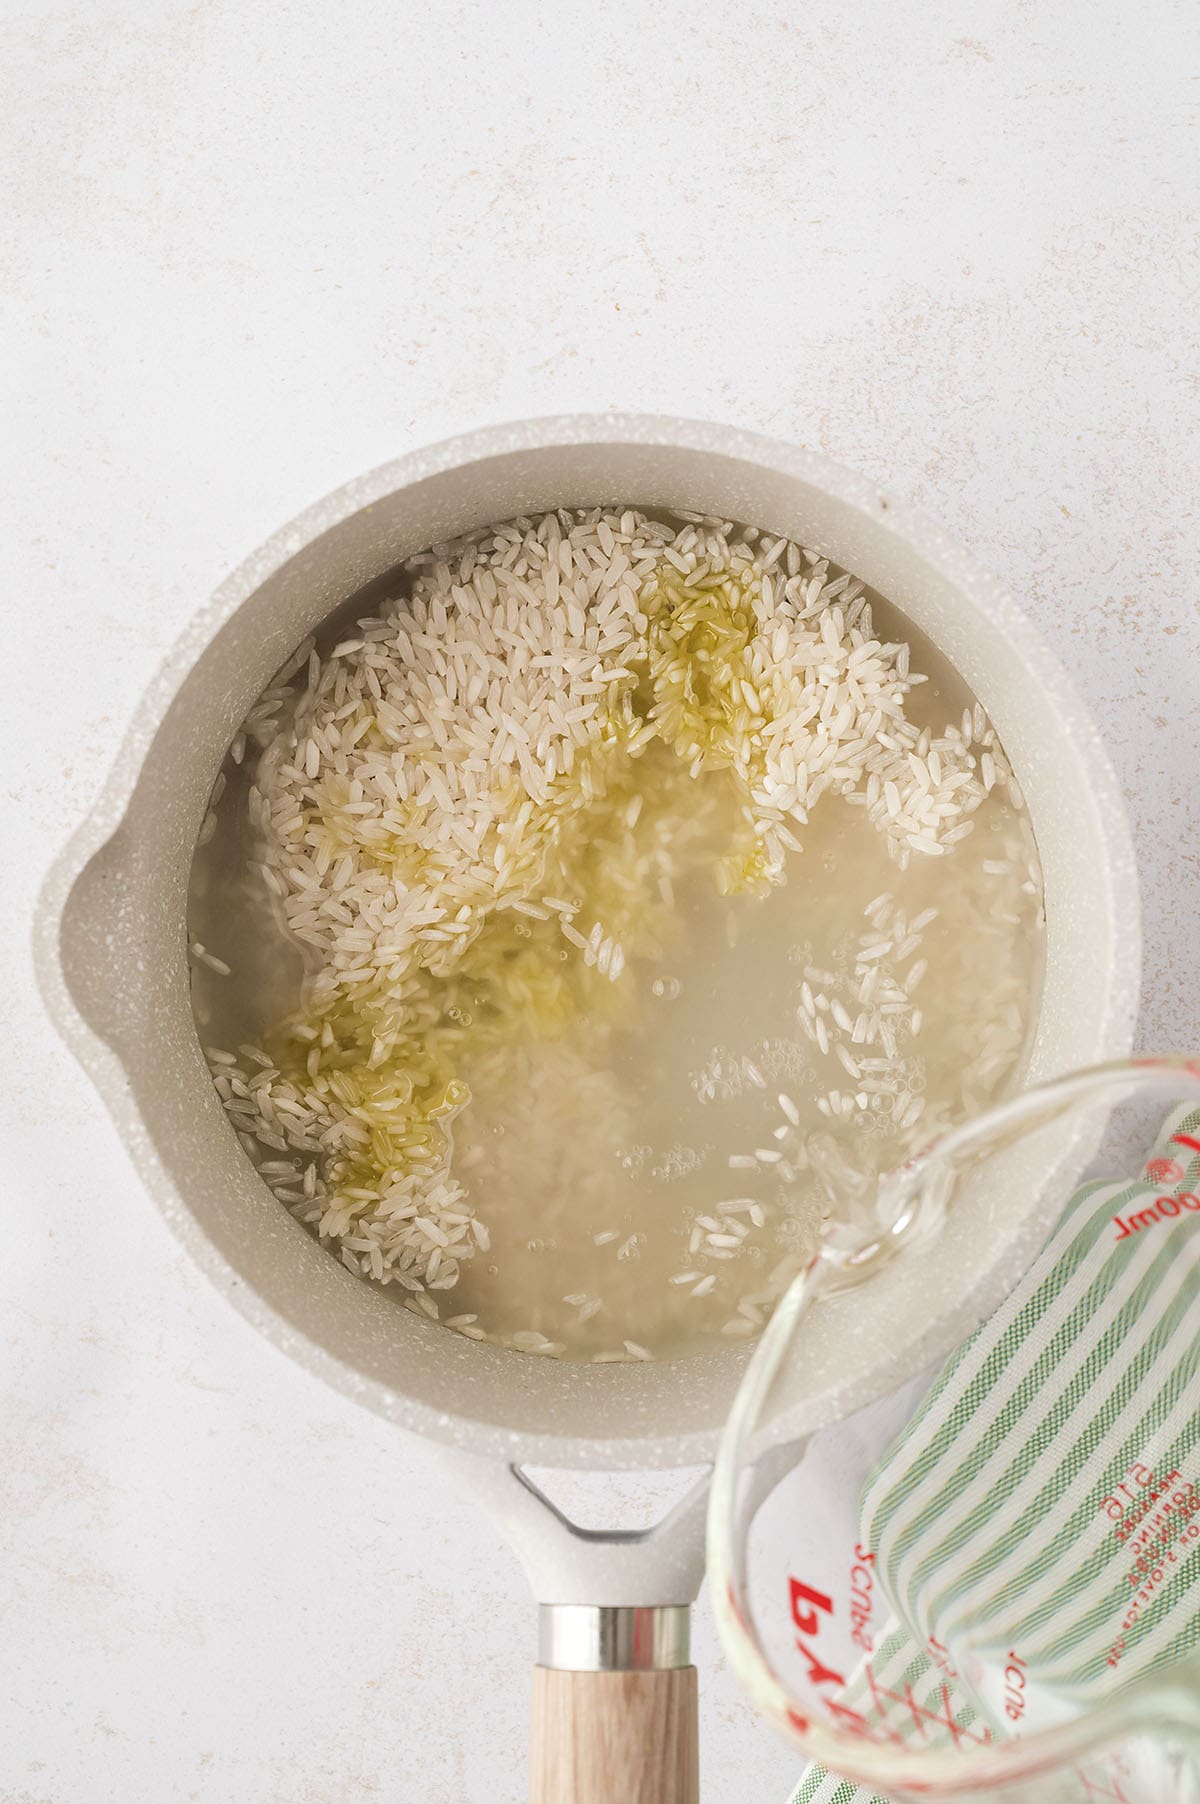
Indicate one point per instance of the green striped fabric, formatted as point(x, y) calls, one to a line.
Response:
point(1036, 1525)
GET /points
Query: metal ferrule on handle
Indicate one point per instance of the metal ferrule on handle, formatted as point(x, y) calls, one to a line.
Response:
point(615, 1713)
point(614, 1637)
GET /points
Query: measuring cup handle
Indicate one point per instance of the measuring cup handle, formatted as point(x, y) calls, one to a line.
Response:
point(614, 1737)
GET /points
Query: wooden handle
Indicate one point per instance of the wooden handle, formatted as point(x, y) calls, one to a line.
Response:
point(614, 1737)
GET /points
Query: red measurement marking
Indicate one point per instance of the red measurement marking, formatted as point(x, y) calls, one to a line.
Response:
point(922, 1716)
point(948, 1719)
point(862, 1586)
point(1163, 1208)
point(806, 1620)
point(939, 1653)
point(806, 1603)
point(1014, 1688)
point(1163, 1171)
point(1092, 1788)
point(1185, 1140)
point(844, 1717)
point(818, 1673)
point(914, 1708)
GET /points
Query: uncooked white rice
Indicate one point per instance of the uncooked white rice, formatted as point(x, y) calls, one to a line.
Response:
point(416, 796)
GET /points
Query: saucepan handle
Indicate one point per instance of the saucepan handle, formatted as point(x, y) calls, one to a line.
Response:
point(614, 1707)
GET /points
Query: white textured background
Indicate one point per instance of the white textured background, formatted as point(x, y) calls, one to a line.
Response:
point(253, 249)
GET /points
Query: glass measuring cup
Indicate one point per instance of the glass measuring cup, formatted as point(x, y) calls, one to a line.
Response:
point(1001, 1600)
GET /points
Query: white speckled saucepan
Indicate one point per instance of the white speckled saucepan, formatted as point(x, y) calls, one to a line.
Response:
point(113, 964)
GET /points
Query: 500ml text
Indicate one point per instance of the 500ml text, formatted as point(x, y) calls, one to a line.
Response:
point(1163, 1208)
